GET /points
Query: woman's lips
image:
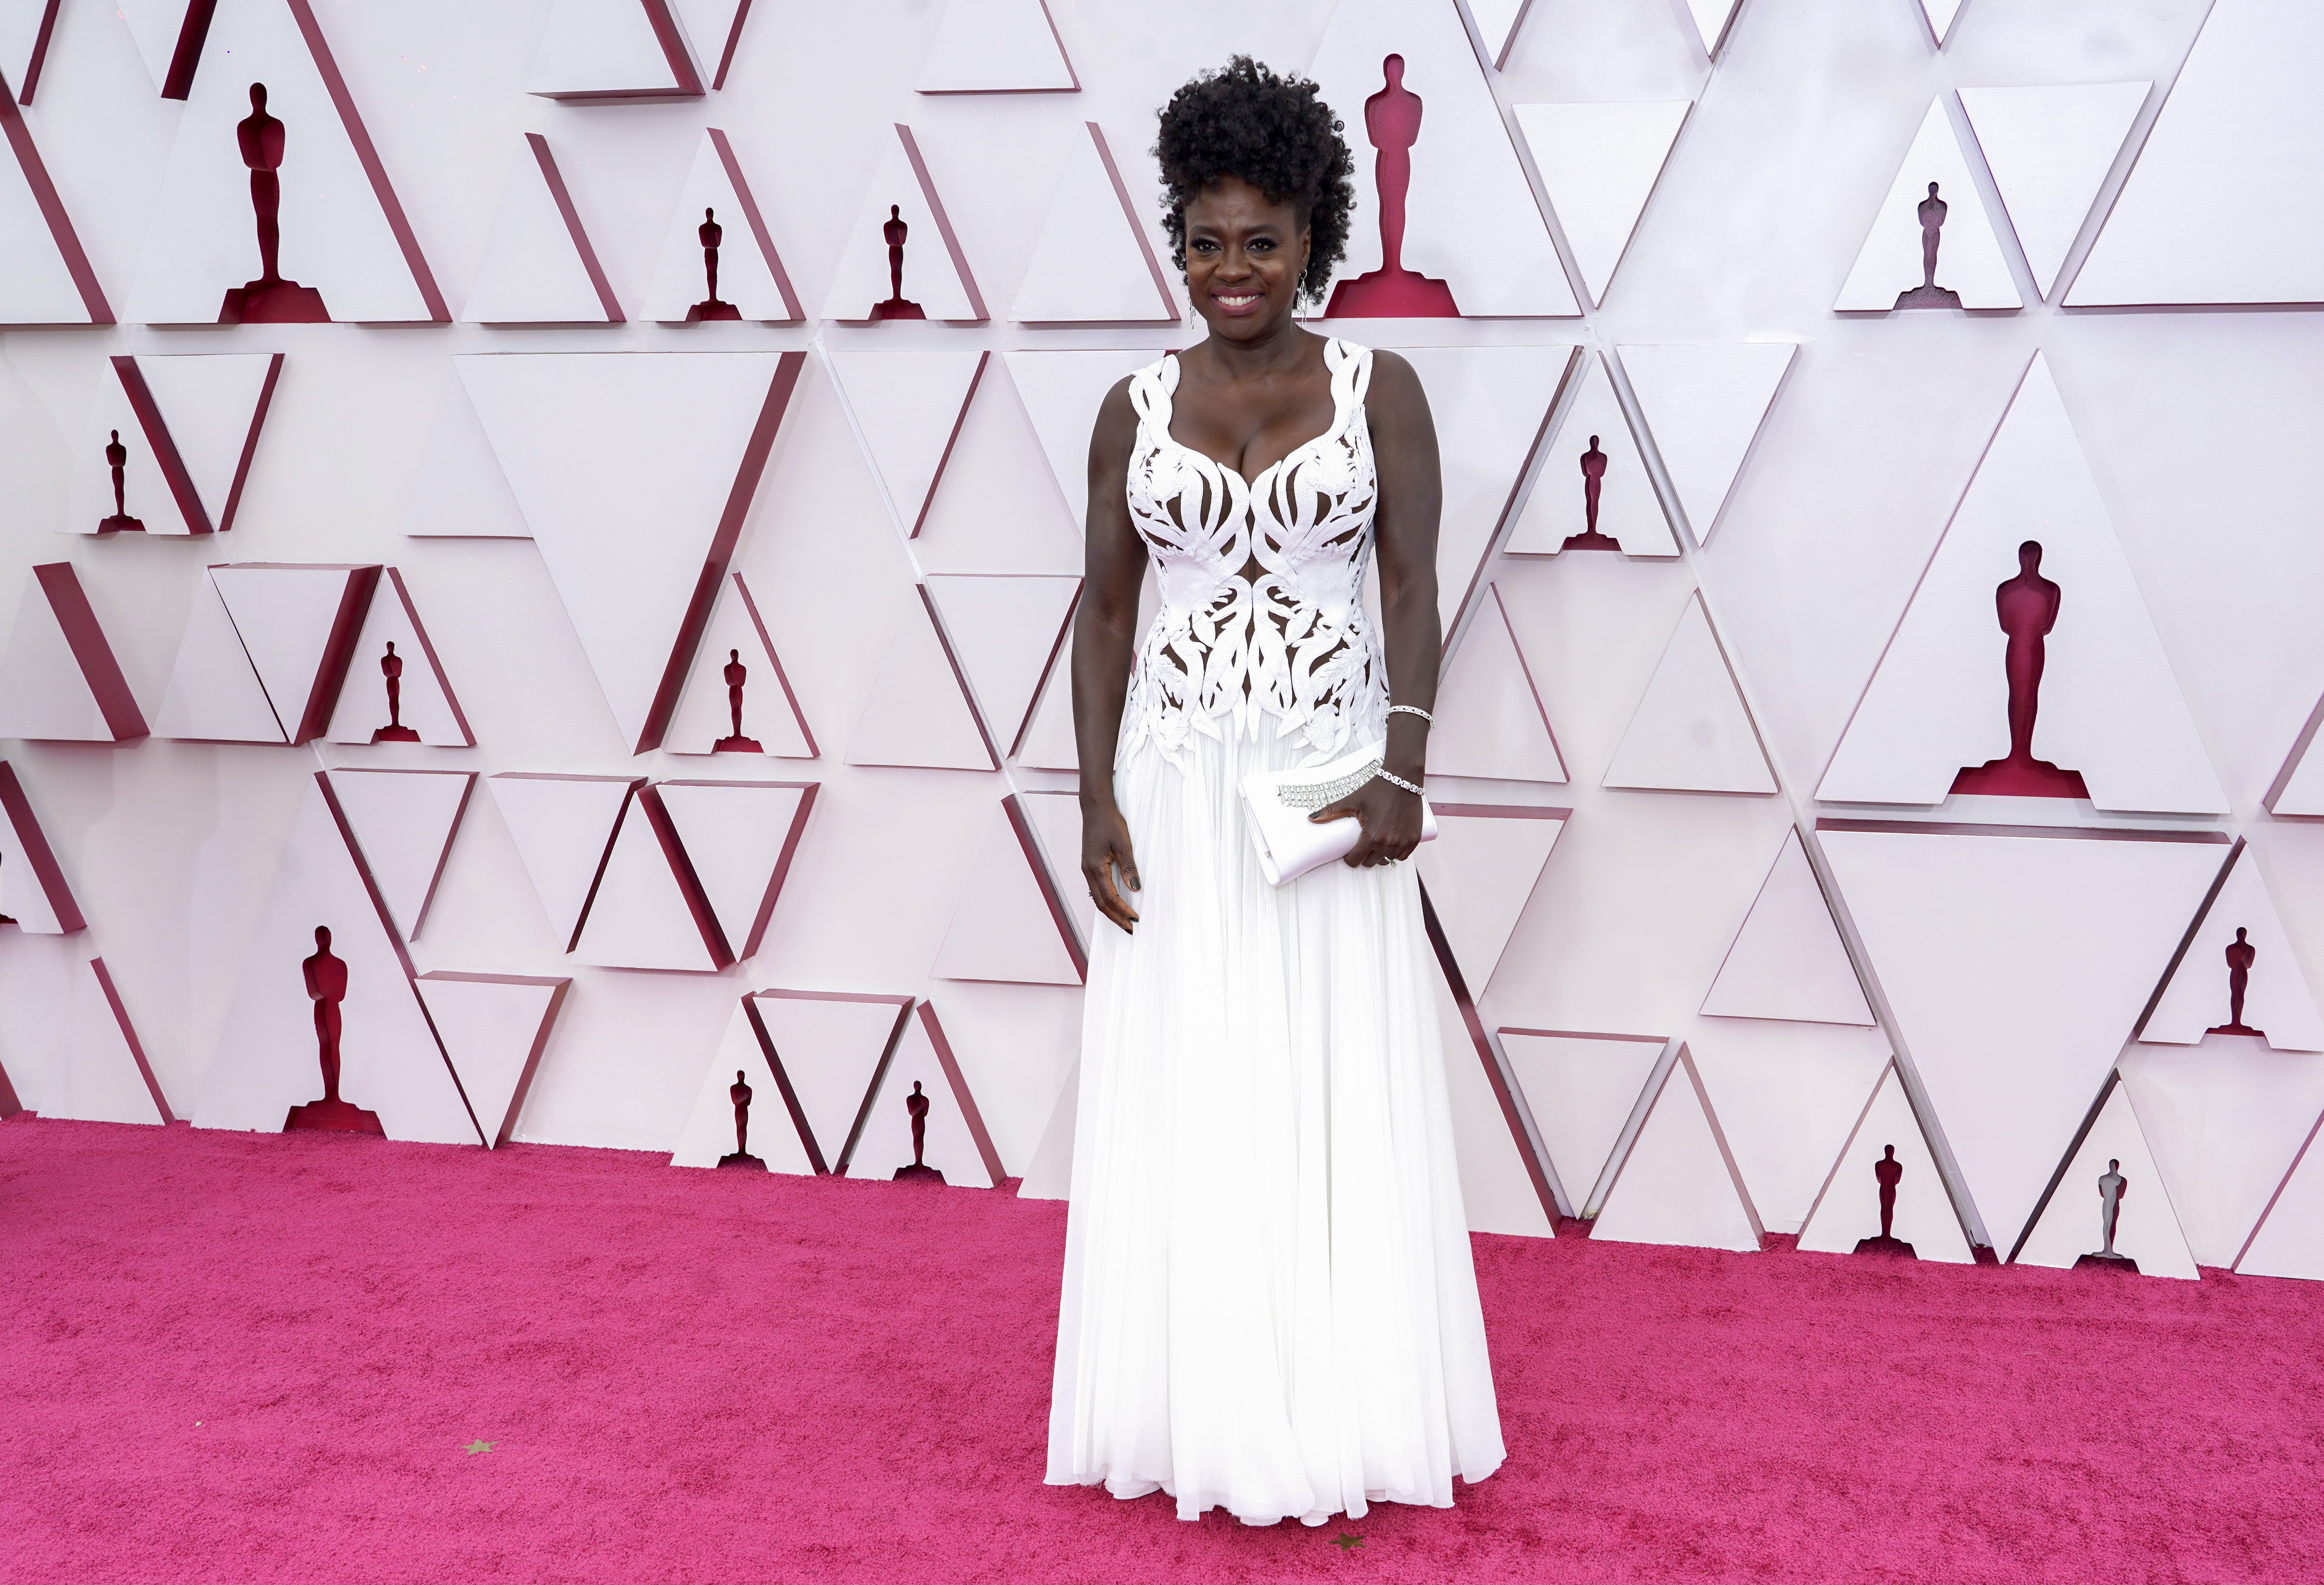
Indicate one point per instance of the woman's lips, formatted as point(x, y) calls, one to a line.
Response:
point(1234, 303)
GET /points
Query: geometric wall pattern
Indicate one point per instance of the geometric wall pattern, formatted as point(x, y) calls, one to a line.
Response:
point(747, 604)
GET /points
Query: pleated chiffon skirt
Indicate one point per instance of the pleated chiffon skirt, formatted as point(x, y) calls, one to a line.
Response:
point(1269, 1302)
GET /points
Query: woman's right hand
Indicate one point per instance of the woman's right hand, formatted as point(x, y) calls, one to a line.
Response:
point(1105, 844)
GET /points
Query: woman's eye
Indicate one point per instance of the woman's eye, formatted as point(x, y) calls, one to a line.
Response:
point(1260, 244)
point(1205, 246)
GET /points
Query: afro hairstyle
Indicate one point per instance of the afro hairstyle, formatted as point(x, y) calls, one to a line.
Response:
point(1275, 132)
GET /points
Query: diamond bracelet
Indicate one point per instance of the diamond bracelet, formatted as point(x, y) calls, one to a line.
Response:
point(1412, 710)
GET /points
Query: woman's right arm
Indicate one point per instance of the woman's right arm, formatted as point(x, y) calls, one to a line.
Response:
point(1105, 640)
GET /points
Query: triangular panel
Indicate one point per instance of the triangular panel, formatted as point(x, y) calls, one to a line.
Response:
point(1599, 163)
point(1593, 437)
point(59, 676)
point(298, 624)
point(1491, 406)
point(608, 51)
point(648, 911)
point(2050, 148)
point(1692, 732)
point(184, 429)
point(997, 47)
point(2242, 930)
point(740, 837)
point(916, 713)
point(396, 690)
point(1093, 263)
point(403, 821)
point(831, 1046)
point(213, 695)
point(563, 828)
point(1712, 19)
point(1008, 631)
point(772, 722)
point(1581, 1091)
point(714, 1132)
point(1848, 1212)
point(45, 277)
point(539, 266)
point(2225, 1120)
point(1787, 961)
point(1489, 718)
point(1062, 390)
point(2110, 706)
point(107, 1076)
point(1010, 924)
point(955, 1142)
point(2206, 216)
point(33, 893)
point(908, 405)
point(1706, 404)
point(1480, 871)
point(1678, 1183)
point(2289, 1238)
point(494, 1028)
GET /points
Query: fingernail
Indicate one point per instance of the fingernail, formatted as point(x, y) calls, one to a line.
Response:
point(1133, 884)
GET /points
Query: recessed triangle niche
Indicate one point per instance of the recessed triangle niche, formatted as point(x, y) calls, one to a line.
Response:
point(493, 1028)
point(2203, 217)
point(1600, 163)
point(2015, 965)
point(771, 722)
point(648, 910)
point(1847, 1211)
point(1581, 1091)
point(265, 650)
point(923, 274)
point(539, 266)
point(609, 50)
point(186, 427)
point(396, 690)
point(45, 277)
point(1489, 718)
point(1786, 961)
point(753, 283)
point(1593, 438)
point(997, 47)
point(1892, 269)
point(563, 828)
point(1093, 263)
point(1010, 923)
point(597, 445)
point(765, 1138)
point(267, 1063)
point(59, 680)
point(909, 403)
point(955, 1140)
point(2069, 1228)
point(2200, 998)
point(343, 228)
point(1475, 243)
point(2050, 148)
point(1492, 406)
point(1692, 732)
point(1706, 404)
point(2108, 706)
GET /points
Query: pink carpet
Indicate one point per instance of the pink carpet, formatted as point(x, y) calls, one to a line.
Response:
point(226, 1356)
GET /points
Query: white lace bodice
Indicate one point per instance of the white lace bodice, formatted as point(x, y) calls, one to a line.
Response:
point(1290, 648)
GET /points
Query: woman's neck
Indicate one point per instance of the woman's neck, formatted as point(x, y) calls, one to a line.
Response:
point(1279, 347)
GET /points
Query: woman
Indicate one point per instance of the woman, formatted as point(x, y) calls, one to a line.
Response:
point(1269, 1303)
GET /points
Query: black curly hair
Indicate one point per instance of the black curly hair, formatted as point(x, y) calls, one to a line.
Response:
point(1275, 132)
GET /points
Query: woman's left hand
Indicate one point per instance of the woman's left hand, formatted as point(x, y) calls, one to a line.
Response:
point(1391, 818)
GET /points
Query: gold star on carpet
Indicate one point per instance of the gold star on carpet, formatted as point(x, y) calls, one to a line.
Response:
point(1347, 1543)
point(478, 1447)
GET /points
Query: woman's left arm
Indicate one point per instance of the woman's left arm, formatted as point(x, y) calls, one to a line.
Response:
point(1404, 535)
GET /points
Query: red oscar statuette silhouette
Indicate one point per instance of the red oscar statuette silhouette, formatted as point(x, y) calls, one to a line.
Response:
point(739, 1092)
point(327, 987)
point(270, 299)
point(895, 230)
point(116, 458)
point(1594, 479)
point(2241, 955)
point(391, 667)
point(711, 308)
point(736, 673)
point(1888, 1172)
point(2113, 1190)
point(2027, 606)
point(1929, 294)
point(1392, 123)
point(917, 1105)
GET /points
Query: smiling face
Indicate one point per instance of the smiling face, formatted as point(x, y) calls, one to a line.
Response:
point(1245, 253)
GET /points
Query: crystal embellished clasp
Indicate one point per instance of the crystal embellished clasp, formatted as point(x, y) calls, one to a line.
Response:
point(1318, 795)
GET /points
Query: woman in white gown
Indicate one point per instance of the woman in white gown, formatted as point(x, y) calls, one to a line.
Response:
point(1269, 1301)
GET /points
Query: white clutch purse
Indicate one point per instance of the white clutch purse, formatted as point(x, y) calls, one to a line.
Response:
point(1278, 802)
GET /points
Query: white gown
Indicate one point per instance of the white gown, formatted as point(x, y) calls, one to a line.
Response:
point(1269, 1301)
